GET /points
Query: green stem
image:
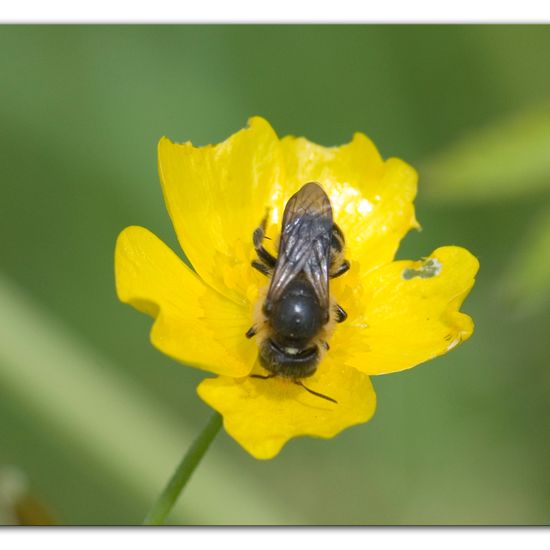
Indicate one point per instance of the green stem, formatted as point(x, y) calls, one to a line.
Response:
point(167, 499)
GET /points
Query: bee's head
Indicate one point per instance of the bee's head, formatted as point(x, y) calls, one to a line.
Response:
point(297, 316)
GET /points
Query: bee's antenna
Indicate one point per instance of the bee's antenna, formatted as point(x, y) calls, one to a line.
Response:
point(297, 382)
point(315, 393)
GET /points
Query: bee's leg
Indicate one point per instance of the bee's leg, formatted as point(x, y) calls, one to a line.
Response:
point(341, 314)
point(262, 268)
point(325, 345)
point(262, 376)
point(340, 270)
point(337, 253)
point(257, 238)
point(338, 239)
point(251, 332)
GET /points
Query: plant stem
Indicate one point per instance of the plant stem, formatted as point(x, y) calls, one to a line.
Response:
point(167, 499)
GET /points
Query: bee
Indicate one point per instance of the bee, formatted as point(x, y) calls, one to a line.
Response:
point(298, 314)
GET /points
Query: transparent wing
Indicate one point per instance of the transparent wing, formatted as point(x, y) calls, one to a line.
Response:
point(305, 241)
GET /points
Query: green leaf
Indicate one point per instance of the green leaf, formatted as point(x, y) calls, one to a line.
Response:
point(506, 159)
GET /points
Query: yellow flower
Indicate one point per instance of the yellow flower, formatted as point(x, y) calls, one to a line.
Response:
point(400, 313)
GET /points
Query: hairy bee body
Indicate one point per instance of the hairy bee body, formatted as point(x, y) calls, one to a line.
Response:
point(295, 321)
point(297, 314)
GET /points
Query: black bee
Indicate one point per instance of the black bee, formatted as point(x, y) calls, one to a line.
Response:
point(298, 315)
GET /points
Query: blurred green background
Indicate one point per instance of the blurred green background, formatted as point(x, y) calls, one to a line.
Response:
point(94, 419)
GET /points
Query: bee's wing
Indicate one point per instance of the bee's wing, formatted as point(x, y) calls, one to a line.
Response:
point(306, 235)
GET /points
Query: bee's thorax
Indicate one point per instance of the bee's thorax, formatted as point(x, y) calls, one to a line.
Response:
point(297, 317)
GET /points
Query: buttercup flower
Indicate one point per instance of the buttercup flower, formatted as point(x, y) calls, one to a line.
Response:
point(400, 313)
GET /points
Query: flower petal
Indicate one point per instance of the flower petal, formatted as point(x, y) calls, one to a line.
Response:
point(409, 312)
point(262, 415)
point(216, 197)
point(193, 323)
point(372, 199)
